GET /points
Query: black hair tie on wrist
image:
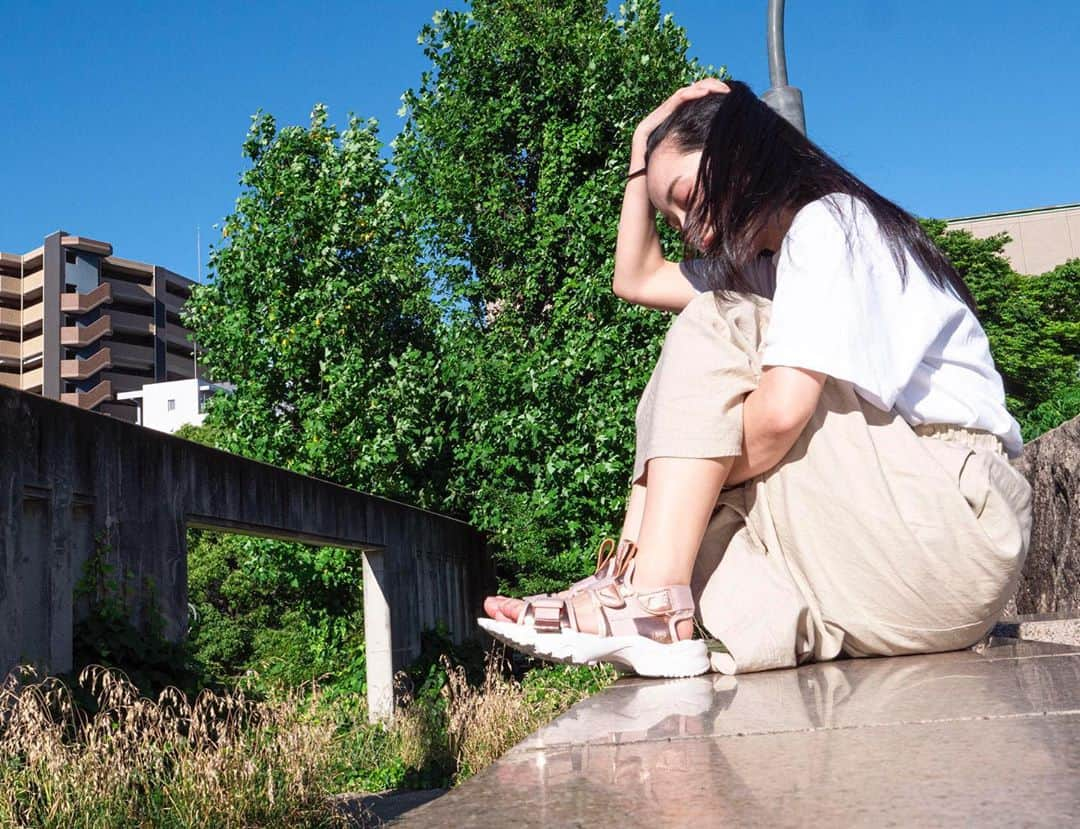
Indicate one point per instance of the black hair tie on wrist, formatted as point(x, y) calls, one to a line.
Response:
point(636, 173)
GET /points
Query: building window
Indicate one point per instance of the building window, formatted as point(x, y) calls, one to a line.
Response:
point(171, 405)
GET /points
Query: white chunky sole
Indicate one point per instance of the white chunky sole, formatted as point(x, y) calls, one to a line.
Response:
point(637, 653)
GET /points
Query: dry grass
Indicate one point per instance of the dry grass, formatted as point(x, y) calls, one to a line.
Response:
point(222, 760)
point(481, 722)
point(225, 760)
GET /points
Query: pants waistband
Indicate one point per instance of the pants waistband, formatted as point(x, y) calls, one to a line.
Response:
point(976, 439)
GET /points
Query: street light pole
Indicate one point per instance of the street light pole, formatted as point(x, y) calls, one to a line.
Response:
point(785, 100)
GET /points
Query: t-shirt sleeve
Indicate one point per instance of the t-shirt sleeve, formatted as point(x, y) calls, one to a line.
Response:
point(837, 303)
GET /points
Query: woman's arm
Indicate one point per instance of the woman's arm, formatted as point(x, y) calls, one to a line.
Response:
point(774, 415)
point(642, 275)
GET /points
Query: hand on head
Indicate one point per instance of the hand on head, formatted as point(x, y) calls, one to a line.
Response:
point(698, 89)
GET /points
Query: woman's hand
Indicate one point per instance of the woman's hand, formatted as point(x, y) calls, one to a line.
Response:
point(698, 89)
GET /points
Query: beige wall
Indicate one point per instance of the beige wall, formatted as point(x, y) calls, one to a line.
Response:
point(1041, 239)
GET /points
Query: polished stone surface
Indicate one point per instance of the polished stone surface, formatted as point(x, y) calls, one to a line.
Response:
point(990, 738)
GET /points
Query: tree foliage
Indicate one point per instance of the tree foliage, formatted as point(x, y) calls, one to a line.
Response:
point(318, 316)
point(511, 164)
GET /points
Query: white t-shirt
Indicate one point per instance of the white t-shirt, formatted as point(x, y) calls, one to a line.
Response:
point(840, 308)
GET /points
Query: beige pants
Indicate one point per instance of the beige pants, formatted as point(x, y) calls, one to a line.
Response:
point(869, 538)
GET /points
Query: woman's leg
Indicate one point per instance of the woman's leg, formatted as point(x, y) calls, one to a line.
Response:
point(689, 427)
point(675, 509)
point(682, 495)
point(635, 511)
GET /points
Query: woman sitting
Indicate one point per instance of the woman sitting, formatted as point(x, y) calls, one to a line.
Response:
point(821, 463)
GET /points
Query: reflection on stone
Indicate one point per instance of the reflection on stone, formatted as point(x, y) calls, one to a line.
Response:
point(959, 738)
point(838, 694)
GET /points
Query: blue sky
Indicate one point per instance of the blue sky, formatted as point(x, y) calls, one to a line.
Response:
point(123, 121)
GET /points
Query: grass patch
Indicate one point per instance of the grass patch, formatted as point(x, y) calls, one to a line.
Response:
point(232, 760)
point(220, 760)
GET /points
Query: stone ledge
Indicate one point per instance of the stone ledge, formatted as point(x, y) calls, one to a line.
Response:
point(1058, 628)
point(910, 741)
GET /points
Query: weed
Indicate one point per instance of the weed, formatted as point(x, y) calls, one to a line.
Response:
point(220, 760)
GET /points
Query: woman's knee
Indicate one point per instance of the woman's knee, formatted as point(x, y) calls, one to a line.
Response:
point(721, 326)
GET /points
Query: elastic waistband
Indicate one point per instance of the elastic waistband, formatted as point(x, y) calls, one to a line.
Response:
point(977, 439)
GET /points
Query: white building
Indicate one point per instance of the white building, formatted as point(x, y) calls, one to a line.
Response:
point(168, 406)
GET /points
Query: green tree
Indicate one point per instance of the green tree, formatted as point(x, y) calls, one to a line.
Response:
point(511, 166)
point(318, 316)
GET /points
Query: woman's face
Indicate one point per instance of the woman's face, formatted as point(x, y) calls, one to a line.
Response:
point(670, 182)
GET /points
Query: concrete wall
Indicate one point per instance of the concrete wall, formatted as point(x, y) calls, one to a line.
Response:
point(67, 475)
point(1041, 239)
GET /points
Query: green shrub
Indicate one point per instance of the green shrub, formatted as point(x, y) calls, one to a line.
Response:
point(1032, 322)
point(286, 613)
point(1064, 405)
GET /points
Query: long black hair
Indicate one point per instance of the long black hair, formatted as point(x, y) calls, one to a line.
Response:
point(755, 166)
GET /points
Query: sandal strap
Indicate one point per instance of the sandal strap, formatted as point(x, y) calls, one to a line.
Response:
point(611, 562)
point(605, 552)
point(544, 612)
point(624, 557)
point(614, 609)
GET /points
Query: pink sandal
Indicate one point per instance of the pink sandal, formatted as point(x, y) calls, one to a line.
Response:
point(636, 630)
point(612, 561)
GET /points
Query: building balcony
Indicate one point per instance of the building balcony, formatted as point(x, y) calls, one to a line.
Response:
point(80, 336)
point(127, 267)
point(125, 322)
point(180, 366)
point(27, 381)
point(80, 369)
point(176, 335)
point(89, 399)
point(127, 355)
point(173, 303)
point(13, 319)
point(84, 303)
point(132, 293)
point(14, 352)
point(12, 287)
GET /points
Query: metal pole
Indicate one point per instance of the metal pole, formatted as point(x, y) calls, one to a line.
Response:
point(786, 100)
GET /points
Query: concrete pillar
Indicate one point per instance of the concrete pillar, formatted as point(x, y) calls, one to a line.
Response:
point(378, 638)
point(52, 267)
point(160, 346)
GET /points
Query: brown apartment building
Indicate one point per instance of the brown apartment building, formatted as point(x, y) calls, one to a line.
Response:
point(81, 325)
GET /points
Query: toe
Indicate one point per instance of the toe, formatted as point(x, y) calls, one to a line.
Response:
point(511, 609)
point(493, 606)
point(502, 609)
